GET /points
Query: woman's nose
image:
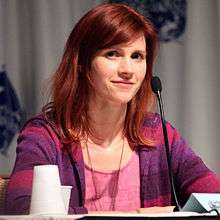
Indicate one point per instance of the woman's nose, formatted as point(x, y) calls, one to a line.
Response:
point(125, 70)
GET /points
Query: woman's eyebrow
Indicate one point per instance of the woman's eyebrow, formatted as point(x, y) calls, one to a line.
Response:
point(141, 51)
point(120, 49)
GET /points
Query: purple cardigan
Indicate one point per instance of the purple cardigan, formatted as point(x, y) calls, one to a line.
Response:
point(38, 144)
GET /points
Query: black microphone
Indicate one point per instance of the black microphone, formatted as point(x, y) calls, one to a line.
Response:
point(157, 88)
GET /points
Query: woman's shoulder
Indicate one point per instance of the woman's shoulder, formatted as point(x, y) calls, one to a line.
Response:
point(36, 121)
point(39, 121)
point(151, 120)
point(39, 126)
point(152, 128)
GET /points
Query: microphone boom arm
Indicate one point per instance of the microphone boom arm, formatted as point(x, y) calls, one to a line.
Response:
point(157, 88)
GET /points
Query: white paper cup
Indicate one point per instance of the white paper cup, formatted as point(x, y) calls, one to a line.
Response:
point(46, 174)
point(66, 192)
point(46, 195)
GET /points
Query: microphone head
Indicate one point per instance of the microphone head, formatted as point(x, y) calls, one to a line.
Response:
point(156, 84)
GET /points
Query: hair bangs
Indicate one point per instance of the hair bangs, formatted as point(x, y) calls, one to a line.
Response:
point(129, 30)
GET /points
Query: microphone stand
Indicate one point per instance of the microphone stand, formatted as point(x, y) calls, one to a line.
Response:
point(156, 88)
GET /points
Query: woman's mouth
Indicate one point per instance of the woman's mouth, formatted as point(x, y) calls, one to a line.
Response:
point(123, 84)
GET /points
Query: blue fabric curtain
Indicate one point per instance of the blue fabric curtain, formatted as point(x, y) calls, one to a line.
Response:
point(10, 112)
point(168, 16)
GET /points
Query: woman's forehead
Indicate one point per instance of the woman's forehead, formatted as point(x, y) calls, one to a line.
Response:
point(138, 39)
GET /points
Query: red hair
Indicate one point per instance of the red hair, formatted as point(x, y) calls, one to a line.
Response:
point(102, 27)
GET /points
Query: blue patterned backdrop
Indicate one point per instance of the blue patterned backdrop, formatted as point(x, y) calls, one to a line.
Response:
point(168, 16)
point(11, 114)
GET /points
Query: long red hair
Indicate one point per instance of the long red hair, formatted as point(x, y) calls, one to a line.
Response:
point(102, 27)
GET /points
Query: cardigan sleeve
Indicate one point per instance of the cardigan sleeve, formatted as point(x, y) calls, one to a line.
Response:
point(35, 147)
point(190, 172)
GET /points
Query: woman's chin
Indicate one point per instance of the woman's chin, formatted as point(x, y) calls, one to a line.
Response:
point(121, 100)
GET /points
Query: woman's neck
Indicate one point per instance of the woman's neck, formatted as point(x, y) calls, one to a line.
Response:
point(107, 122)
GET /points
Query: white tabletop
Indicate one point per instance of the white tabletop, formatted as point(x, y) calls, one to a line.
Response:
point(73, 217)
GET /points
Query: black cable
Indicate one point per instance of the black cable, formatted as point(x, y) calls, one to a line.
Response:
point(214, 210)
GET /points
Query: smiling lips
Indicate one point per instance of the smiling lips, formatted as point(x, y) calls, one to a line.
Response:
point(123, 84)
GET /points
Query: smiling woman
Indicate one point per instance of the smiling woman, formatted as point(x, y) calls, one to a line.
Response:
point(120, 27)
point(99, 129)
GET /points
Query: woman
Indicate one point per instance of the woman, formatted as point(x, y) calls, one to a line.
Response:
point(98, 128)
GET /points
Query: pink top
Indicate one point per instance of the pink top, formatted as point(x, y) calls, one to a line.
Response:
point(127, 193)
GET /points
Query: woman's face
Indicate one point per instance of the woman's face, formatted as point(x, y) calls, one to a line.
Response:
point(117, 72)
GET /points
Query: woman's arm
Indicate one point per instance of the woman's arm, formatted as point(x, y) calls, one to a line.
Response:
point(35, 147)
point(190, 173)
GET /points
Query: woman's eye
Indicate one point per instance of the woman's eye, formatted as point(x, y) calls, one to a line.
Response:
point(112, 53)
point(138, 56)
